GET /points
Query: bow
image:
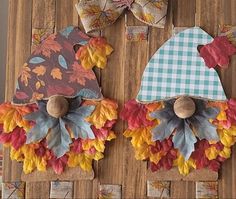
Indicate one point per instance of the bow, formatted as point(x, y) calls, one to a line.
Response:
point(97, 14)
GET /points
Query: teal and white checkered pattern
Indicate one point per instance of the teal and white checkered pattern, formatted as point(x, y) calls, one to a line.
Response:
point(177, 69)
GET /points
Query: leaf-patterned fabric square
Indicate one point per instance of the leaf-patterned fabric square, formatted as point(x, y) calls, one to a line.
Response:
point(39, 35)
point(61, 189)
point(229, 31)
point(110, 191)
point(14, 190)
point(158, 189)
point(206, 190)
point(136, 33)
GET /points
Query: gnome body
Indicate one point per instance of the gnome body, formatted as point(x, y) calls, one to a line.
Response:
point(58, 116)
point(181, 111)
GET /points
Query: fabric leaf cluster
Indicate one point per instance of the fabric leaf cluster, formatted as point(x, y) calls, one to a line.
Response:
point(94, 53)
point(75, 139)
point(202, 141)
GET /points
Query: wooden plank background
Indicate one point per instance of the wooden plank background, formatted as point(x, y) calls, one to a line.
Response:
point(120, 81)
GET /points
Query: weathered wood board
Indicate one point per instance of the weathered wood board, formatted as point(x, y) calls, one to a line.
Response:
point(120, 81)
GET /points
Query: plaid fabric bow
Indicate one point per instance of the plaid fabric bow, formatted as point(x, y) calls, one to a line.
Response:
point(97, 14)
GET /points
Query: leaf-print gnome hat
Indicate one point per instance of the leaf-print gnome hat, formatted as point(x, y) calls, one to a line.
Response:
point(58, 116)
point(181, 112)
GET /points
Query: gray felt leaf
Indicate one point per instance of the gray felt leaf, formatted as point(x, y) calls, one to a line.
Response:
point(87, 94)
point(184, 140)
point(80, 127)
point(163, 114)
point(75, 103)
point(204, 129)
point(43, 123)
point(210, 112)
point(165, 129)
point(59, 139)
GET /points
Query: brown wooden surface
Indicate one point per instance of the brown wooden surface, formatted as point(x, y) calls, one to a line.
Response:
point(120, 81)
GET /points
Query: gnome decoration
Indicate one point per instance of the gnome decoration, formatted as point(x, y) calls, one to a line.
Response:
point(58, 117)
point(181, 116)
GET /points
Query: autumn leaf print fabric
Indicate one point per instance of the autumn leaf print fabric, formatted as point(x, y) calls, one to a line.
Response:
point(55, 68)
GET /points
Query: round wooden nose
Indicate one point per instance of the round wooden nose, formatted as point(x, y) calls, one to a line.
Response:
point(57, 106)
point(184, 107)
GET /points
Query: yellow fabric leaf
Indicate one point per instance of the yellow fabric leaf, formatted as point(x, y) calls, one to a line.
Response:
point(184, 166)
point(226, 137)
point(225, 153)
point(211, 153)
point(232, 130)
point(83, 160)
point(140, 136)
point(11, 116)
point(111, 136)
point(16, 154)
point(142, 152)
point(105, 110)
point(98, 156)
point(99, 145)
point(94, 53)
point(156, 157)
point(30, 160)
point(28, 165)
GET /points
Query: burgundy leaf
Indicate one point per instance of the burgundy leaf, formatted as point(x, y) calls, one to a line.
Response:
point(218, 52)
point(136, 115)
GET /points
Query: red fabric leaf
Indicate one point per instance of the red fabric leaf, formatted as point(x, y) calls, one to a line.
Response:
point(59, 90)
point(217, 52)
point(103, 133)
point(214, 165)
point(42, 148)
point(167, 160)
point(77, 146)
point(135, 113)
point(199, 154)
point(231, 111)
point(59, 164)
point(165, 145)
point(16, 138)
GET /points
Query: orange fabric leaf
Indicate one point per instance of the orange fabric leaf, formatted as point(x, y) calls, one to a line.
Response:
point(94, 53)
point(105, 110)
point(11, 116)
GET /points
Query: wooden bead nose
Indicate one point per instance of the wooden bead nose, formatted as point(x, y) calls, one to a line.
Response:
point(184, 107)
point(57, 106)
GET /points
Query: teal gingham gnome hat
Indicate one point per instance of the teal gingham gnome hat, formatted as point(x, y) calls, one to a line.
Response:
point(177, 69)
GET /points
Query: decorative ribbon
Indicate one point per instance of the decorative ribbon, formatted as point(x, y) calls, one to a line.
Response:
point(97, 14)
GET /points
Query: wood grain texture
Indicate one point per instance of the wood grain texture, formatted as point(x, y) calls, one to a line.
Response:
point(121, 81)
point(19, 43)
point(183, 16)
